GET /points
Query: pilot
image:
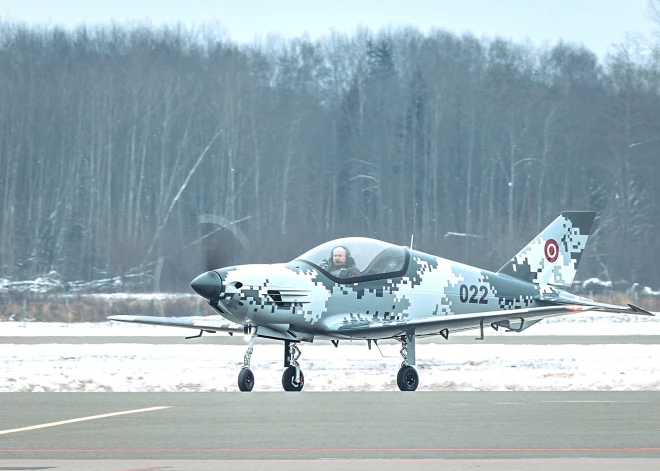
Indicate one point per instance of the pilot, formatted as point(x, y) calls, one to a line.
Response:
point(341, 264)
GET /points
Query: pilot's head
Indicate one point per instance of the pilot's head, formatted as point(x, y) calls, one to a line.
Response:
point(339, 256)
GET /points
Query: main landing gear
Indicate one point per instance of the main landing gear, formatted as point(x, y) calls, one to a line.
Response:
point(407, 378)
point(246, 377)
point(292, 378)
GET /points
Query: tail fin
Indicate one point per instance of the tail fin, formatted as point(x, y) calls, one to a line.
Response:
point(553, 256)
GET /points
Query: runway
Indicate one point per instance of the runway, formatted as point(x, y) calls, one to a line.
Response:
point(548, 428)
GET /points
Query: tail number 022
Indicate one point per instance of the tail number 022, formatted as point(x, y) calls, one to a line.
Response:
point(473, 294)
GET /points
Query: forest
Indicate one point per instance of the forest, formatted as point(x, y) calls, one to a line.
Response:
point(120, 144)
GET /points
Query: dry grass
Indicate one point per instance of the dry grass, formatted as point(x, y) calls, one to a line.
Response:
point(94, 309)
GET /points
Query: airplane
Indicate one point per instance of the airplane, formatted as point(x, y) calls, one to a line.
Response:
point(360, 288)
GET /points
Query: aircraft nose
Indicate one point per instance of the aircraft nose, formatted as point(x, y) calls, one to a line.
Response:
point(208, 285)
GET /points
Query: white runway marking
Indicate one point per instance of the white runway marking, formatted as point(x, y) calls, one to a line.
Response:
point(81, 419)
point(595, 402)
point(567, 402)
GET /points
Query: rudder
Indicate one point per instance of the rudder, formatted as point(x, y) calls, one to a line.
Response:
point(553, 256)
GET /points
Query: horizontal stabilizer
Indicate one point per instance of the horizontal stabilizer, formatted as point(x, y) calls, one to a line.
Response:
point(639, 310)
point(568, 298)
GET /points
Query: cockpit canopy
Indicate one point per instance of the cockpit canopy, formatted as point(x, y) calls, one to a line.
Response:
point(372, 258)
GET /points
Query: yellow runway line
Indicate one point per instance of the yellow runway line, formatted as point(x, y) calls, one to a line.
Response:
point(81, 419)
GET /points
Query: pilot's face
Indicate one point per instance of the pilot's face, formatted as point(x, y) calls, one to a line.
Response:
point(339, 256)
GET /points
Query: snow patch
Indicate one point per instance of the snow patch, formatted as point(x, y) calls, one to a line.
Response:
point(442, 367)
point(52, 282)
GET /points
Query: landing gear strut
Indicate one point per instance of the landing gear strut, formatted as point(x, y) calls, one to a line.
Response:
point(407, 378)
point(246, 377)
point(292, 378)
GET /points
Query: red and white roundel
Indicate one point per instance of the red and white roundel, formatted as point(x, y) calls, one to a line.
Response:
point(551, 250)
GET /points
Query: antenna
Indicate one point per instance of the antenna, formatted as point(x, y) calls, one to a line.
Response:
point(412, 234)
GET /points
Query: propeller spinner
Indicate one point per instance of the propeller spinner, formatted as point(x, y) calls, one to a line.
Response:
point(208, 285)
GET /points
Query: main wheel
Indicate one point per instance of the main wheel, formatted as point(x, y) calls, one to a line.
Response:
point(289, 380)
point(245, 380)
point(407, 379)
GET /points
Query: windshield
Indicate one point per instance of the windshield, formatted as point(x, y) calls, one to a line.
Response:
point(356, 257)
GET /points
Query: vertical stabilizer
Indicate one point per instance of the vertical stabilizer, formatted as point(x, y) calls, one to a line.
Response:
point(553, 256)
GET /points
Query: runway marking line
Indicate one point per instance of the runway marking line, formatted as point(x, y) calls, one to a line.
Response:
point(593, 402)
point(150, 468)
point(81, 419)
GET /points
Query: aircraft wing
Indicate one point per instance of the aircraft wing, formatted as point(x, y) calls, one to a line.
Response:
point(522, 318)
point(207, 323)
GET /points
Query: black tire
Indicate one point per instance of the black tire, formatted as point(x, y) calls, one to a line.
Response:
point(398, 377)
point(289, 380)
point(245, 380)
point(407, 378)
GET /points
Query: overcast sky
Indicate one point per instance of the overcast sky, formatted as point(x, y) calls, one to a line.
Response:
point(595, 23)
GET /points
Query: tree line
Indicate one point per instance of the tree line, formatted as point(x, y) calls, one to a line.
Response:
point(121, 144)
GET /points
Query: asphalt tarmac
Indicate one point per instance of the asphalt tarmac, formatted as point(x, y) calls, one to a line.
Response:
point(380, 430)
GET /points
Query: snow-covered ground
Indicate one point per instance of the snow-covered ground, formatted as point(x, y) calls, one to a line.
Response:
point(442, 366)
point(451, 367)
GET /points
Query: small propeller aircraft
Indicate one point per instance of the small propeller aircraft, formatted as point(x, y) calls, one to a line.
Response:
point(360, 288)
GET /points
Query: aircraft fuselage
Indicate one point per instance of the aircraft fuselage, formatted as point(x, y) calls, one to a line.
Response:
point(298, 296)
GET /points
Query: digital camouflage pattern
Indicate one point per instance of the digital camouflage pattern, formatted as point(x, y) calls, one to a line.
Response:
point(430, 287)
point(552, 258)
